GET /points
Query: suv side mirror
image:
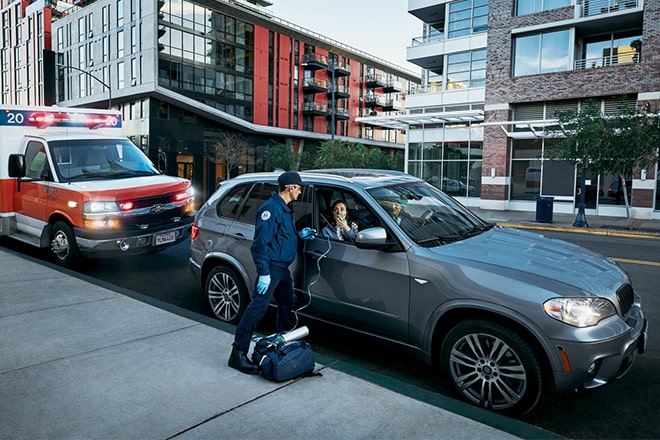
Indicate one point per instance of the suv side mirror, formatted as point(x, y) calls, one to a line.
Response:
point(372, 238)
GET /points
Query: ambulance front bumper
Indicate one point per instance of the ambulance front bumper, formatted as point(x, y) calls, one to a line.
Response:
point(92, 245)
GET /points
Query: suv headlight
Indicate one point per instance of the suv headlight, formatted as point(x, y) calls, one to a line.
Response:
point(579, 312)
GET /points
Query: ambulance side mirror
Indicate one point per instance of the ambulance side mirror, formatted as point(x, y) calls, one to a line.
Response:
point(16, 165)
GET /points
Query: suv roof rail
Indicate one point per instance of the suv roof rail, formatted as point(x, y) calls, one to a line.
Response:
point(357, 172)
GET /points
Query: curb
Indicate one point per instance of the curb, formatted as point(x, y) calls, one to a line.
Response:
point(607, 232)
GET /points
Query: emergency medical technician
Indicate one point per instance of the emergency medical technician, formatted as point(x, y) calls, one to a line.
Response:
point(273, 250)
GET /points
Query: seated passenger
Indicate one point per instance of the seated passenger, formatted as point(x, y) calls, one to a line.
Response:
point(340, 228)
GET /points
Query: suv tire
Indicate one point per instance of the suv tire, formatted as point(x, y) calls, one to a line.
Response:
point(492, 367)
point(226, 294)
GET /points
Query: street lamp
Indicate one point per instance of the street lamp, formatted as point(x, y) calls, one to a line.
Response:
point(581, 219)
point(66, 66)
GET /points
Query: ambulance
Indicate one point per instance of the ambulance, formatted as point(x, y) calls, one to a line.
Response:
point(72, 184)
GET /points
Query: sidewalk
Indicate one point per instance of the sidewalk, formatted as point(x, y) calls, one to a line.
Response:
point(80, 360)
point(602, 225)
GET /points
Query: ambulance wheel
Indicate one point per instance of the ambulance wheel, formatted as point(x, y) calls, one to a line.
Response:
point(226, 293)
point(63, 245)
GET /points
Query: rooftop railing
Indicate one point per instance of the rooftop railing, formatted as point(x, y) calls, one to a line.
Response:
point(597, 7)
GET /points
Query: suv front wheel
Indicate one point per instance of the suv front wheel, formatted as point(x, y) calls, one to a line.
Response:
point(226, 293)
point(492, 367)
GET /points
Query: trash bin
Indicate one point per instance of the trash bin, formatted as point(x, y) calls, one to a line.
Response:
point(544, 209)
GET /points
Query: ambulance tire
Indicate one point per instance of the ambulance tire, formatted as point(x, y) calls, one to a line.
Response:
point(63, 246)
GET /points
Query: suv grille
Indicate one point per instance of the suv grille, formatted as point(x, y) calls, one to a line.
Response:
point(626, 297)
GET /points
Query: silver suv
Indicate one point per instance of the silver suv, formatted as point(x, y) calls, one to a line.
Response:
point(503, 312)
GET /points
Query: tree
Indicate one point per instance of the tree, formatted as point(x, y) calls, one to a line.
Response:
point(340, 154)
point(231, 150)
point(615, 144)
point(281, 156)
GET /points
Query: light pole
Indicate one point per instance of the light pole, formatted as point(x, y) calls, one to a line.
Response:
point(581, 219)
point(66, 66)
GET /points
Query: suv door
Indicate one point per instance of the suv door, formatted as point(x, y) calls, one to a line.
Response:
point(363, 288)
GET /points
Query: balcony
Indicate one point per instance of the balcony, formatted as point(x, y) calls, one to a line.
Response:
point(429, 11)
point(621, 58)
point(341, 91)
point(374, 81)
point(313, 61)
point(314, 109)
point(341, 69)
point(314, 85)
point(392, 86)
point(590, 8)
point(374, 101)
point(340, 113)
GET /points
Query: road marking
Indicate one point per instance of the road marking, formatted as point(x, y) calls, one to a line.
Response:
point(626, 260)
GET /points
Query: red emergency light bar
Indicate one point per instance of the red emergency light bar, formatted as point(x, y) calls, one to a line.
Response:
point(45, 119)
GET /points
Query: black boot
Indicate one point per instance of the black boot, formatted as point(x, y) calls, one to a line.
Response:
point(239, 361)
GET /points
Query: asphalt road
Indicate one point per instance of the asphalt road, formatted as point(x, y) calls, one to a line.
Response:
point(625, 409)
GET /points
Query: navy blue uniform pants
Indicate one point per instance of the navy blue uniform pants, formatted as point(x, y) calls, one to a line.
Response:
point(281, 288)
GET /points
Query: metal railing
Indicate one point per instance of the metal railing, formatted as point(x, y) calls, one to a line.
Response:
point(597, 7)
point(626, 57)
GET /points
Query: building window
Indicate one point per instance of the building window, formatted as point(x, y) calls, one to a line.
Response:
point(609, 50)
point(105, 18)
point(120, 44)
point(453, 166)
point(542, 53)
point(524, 7)
point(120, 13)
point(467, 17)
point(120, 75)
point(105, 47)
point(466, 69)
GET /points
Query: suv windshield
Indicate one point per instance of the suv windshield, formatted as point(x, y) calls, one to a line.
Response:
point(427, 216)
point(79, 160)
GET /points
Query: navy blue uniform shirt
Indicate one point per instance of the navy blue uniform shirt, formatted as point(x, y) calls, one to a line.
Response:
point(275, 240)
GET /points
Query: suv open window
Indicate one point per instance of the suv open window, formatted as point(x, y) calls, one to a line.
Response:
point(258, 195)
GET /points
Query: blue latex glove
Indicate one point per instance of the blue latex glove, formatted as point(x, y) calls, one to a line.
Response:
point(262, 284)
point(307, 233)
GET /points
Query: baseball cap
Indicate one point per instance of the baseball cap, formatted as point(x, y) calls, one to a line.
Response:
point(289, 178)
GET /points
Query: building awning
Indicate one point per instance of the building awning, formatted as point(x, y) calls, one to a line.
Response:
point(402, 122)
point(531, 129)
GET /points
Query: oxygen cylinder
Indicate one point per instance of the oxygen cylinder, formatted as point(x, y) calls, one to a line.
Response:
point(293, 335)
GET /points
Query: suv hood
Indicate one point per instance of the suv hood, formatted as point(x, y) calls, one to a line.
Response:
point(541, 256)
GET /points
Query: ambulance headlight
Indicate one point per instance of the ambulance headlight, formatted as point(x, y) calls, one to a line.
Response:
point(100, 215)
point(95, 207)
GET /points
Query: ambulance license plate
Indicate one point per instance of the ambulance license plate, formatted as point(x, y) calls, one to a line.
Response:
point(168, 237)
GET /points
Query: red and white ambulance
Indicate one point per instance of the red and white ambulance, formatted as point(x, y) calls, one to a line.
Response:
point(70, 182)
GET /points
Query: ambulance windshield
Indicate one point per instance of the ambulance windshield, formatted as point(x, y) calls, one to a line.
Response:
point(80, 160)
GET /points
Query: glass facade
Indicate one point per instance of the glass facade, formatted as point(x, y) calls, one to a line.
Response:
point(466, 69)
point(467, 17)
point(208, 56)
point(454, 167)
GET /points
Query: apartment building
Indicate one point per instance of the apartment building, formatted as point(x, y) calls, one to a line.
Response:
point(26, 59)
point(183, 72)
point(494, 74)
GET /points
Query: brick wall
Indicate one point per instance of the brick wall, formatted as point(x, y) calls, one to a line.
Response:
point(502, 89)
